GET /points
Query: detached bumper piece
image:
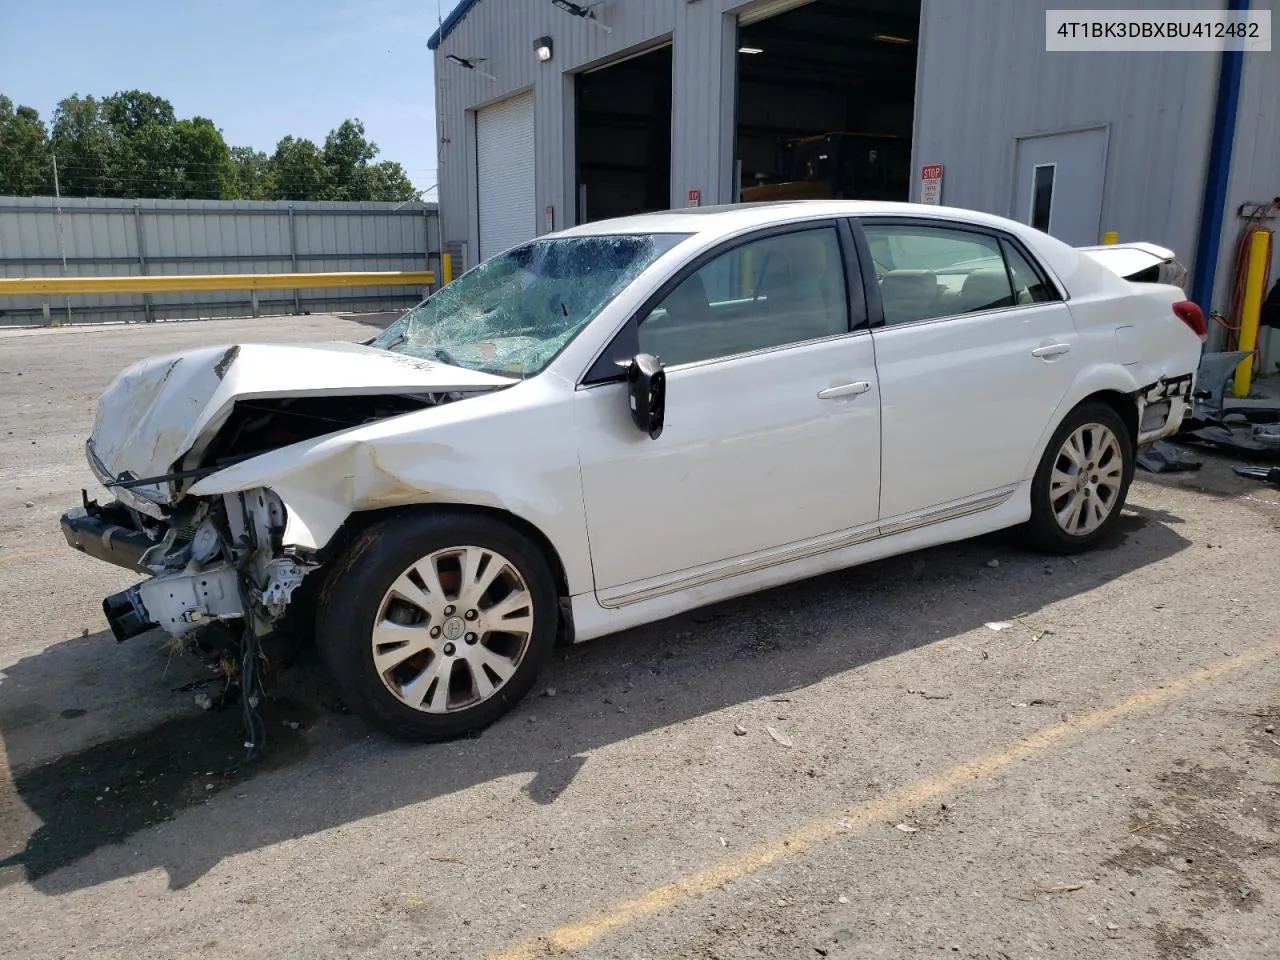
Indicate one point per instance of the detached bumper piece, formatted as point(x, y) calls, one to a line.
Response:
point(101, 533)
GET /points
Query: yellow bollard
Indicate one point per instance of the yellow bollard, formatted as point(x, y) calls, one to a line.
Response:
point(446, 268)
point(1251, 311)
point(1110, 237)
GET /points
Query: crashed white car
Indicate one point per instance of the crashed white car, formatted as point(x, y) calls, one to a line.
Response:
point(621, 421)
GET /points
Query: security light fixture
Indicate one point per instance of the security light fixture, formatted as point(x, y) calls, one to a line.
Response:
point(470, 63)
point(584, 11)
point(750, 50)
point(542, 47)
point(890, 38)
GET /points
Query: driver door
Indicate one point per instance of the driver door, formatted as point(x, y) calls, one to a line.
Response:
point(772, 434)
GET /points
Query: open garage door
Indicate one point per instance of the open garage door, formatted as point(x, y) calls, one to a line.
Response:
point(508, 208)
point(624, 137)
point(826, 98)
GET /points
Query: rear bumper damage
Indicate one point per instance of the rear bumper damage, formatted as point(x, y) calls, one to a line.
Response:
point(1162, 406)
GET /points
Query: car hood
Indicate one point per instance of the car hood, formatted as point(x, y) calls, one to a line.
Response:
point(156, 411)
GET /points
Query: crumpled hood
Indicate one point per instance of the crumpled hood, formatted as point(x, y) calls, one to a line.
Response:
point(155, 411)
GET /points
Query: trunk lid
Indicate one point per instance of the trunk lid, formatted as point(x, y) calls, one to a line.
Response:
point(1139, 262)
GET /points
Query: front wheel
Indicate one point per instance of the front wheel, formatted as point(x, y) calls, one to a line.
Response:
point(436, 624)
point(1080, 486)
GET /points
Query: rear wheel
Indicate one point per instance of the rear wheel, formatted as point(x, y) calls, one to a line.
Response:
point(434, 625)
point(1080, 486)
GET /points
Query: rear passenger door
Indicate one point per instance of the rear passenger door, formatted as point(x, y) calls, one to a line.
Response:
point(973, 351)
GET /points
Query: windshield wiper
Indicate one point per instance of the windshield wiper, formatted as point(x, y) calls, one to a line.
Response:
point(443, 355)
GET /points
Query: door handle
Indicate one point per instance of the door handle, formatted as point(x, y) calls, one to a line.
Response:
point(1051, 350)
point(854, 389)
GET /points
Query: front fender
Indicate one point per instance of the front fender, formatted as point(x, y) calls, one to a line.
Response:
point(517, 457)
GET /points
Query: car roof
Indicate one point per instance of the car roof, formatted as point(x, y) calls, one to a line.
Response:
point(728, 219)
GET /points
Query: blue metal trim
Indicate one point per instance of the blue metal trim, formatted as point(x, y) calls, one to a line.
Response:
point(451, 21)
point(1213, 208)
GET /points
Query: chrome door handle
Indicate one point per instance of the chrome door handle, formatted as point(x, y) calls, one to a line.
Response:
point(857, 388)
point(1051, 350)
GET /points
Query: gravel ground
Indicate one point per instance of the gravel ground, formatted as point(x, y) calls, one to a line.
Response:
point(857, 766)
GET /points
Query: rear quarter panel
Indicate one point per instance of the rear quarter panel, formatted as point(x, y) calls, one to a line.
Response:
point(1129, 336)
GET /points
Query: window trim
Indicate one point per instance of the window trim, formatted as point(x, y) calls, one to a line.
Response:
point(603, 369)
point(875, 305)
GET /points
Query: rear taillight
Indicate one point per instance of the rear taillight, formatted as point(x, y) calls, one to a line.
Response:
point(1190, 314)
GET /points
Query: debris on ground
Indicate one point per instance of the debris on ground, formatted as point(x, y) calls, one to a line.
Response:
point(204, 701)
point(1267, 474)
point(998, 625)
point(780, 737)
point(1164, 457)
point(739, 730)
point(993, 563)
point(929, 694)
point(906, 828)
point(550, 692)
point(29, 504)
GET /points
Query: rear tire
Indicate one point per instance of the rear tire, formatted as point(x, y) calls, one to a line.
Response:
point(435, 624)
point(1080, 486)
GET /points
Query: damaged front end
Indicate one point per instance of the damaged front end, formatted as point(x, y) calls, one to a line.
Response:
point(212, 560)
point(170, 422)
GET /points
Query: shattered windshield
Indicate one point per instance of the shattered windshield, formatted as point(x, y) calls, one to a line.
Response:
point(512, 314)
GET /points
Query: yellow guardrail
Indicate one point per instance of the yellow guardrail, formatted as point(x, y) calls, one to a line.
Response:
point(201, 283)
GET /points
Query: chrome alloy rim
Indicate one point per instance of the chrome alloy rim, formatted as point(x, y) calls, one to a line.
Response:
point(452, 629)
point(1084, 487)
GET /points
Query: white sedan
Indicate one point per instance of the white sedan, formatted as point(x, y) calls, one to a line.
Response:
point(612, 424)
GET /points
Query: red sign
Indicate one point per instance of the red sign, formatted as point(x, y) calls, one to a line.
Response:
point(695, 198)
point(931, 183)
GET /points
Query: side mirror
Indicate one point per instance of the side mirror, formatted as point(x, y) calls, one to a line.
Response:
point(647, 393)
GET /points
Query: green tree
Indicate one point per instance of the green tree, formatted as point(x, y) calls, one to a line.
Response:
point(26, 167)
point(252, 176)
point(88, 151)
point(300, 172)
point(347, 154)
point(387, 181)
point(202, 160)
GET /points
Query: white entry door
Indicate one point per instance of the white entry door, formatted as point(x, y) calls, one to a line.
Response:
point(504, 175)
point(1059, 184)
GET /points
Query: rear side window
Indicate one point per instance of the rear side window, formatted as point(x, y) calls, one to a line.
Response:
point(925, 272)
point(1028, 285)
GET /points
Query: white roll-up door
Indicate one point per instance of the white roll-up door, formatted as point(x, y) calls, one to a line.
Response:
point(504, 174)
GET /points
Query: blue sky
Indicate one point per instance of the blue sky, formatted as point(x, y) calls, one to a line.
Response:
point(260, 69)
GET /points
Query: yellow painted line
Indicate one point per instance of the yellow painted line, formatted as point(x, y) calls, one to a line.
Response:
point(892, 805)
point(201, 283)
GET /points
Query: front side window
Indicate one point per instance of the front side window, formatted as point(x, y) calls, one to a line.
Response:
point(512, 314)
point(926, 272)
point(766, 293)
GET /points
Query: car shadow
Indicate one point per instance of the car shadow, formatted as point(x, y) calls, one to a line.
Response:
point(81, 812)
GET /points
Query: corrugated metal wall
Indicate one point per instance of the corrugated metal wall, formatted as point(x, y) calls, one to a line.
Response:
point(503, 33)
point(103, 237)
point(985, 79)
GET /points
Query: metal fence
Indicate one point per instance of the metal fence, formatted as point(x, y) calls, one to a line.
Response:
point(93, 237)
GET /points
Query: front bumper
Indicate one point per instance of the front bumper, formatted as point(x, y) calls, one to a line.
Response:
point(97, 532)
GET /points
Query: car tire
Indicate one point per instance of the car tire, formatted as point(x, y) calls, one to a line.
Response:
point(1080, 486)
point(415, 603)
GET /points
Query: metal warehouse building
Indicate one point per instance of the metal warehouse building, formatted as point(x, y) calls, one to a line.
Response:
point(547, 118)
